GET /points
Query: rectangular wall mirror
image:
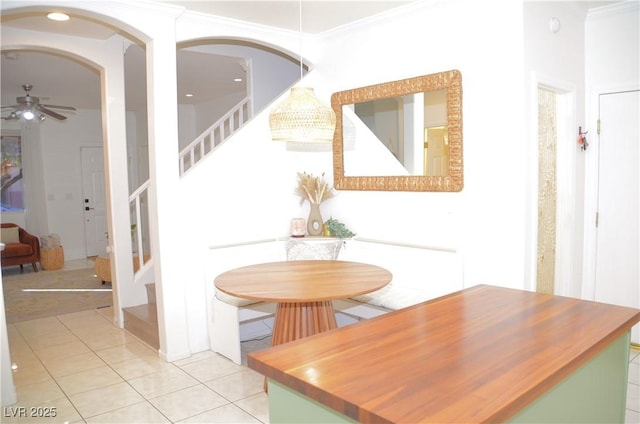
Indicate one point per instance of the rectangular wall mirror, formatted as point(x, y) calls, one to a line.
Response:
point(400, 136)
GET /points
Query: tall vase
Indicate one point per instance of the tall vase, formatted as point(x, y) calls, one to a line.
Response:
point(314, 223)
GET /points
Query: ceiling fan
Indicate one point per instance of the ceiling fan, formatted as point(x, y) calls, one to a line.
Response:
point(29, 107)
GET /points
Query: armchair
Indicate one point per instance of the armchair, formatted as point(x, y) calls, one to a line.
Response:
point(20, 247)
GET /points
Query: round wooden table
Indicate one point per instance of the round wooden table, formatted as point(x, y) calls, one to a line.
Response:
point(304, 291)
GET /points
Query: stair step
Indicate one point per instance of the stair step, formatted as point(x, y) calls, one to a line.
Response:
point(142, 322)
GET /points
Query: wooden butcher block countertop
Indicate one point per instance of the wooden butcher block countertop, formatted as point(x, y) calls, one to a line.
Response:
point(477, 355)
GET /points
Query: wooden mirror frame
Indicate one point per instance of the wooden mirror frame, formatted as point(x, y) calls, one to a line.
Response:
point(449, 80)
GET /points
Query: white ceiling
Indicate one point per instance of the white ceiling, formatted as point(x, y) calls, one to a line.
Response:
point(317, 15)
point(61, 81)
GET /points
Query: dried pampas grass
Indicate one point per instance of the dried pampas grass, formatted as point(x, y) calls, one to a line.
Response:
point(314, 189)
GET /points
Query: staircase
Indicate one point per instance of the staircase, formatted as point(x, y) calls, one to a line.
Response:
point(215, 135)
point(142, 320)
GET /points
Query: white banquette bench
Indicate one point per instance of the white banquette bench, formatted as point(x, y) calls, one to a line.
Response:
point(419, 273)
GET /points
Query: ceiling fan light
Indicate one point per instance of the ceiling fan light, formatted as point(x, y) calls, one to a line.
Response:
point(28, 115)
point(58, 16)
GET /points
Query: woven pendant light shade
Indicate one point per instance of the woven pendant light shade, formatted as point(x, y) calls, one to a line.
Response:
point(302, 117)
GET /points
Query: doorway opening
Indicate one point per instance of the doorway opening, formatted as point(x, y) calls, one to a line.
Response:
point(556, 193)
point(547, 190)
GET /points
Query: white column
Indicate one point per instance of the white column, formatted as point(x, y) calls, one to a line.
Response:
point(166, 214)
point(116, 178)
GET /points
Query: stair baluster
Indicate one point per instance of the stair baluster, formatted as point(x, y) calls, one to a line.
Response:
point(215, 135)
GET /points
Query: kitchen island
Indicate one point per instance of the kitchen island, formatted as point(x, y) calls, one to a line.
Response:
point(483, 354)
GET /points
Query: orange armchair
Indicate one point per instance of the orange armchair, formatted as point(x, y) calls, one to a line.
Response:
point(23, 251)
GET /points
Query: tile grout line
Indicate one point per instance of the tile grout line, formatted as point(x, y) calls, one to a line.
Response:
point(144, 399)
point(55, 381)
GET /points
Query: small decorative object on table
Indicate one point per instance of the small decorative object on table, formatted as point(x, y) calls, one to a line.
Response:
point(315, 190)
point(336, 228)
point(298, 227)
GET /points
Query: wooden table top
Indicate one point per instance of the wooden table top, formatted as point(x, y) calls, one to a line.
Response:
point(478, 355)
point(302, 281)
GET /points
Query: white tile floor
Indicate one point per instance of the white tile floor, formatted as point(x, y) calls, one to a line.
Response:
point(87, 370)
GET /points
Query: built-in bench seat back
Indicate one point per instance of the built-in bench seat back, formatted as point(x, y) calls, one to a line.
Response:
point(312, 249)
point(420, 273)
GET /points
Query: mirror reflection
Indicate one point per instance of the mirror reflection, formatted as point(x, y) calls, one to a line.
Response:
point(401, 135)
point(413, 128)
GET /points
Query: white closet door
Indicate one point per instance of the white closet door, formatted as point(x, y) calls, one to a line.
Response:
point(617, 256)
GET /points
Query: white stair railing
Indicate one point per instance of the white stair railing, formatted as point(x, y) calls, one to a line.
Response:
point(139, 210)
point(213, 136)
point(192, 154)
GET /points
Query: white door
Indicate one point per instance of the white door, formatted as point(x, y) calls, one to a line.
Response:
point(617, 267)
point(94, 201)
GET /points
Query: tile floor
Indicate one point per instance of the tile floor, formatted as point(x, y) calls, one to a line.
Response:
point(93, 372)
point(88, 371)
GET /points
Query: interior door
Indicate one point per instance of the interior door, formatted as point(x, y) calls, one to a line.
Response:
point(94, 201)
point(617, 270)
point(436, 152)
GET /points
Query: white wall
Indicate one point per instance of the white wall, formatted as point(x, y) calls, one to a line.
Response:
point(491, 235)
point(187, 130)
point(208, 113)
point(245, 191)
point(61, 144)
point(271, 73)
point(613, 48)
point(259, 176)
point(556, 61)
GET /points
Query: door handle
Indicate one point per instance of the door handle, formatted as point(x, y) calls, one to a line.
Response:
point(87, 208)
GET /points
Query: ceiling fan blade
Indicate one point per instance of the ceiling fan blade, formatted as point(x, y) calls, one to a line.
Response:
point(50, 113)
point(13, 115)
point(12, 106)
point(59, 107)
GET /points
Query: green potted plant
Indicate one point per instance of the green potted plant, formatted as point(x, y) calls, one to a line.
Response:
point(336, 228)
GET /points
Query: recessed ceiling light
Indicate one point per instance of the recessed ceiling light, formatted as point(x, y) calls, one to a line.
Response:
point(188, 95)
point(58, 16)
point(237, 79)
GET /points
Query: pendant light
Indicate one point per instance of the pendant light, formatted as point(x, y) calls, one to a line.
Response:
point(302, 117)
